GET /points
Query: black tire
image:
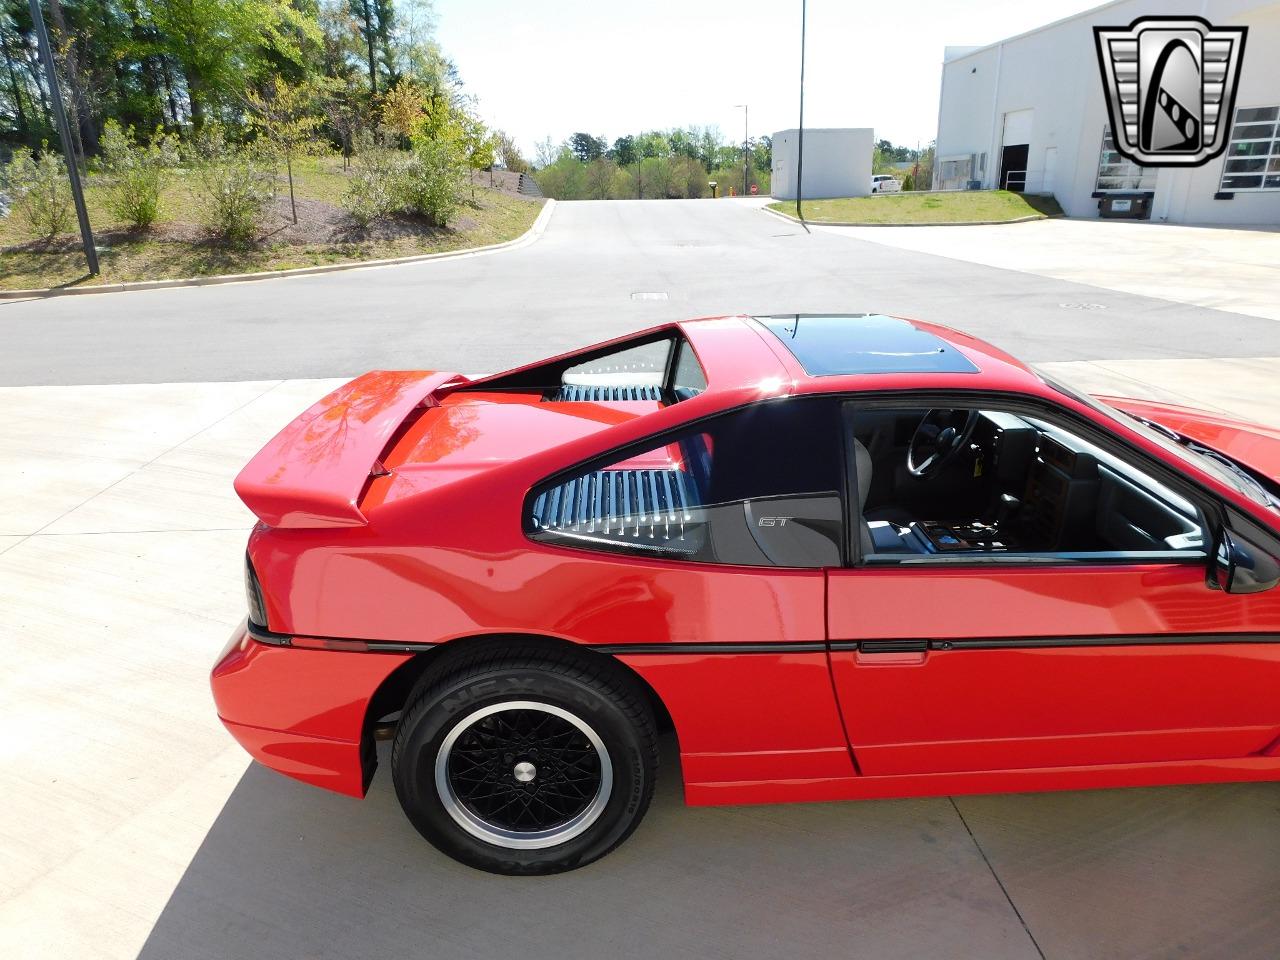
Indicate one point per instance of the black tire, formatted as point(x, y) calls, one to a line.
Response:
point(589, 697)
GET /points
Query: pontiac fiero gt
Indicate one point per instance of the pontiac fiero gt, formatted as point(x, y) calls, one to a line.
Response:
point(838, 556)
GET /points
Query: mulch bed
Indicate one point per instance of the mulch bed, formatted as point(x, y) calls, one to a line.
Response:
point(319, 224)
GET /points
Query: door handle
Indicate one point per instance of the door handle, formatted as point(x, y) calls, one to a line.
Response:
point(893, 646)
point(892, 653)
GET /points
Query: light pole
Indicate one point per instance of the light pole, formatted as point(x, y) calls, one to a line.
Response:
point(800, 146)
point(746, 141)
point(64, 134)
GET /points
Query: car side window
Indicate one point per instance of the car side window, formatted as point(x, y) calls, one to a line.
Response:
point(632, 373)
point(759, 487)
point(689, 380)
point(972, 485)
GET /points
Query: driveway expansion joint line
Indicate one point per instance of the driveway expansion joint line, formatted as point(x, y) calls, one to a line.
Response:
point(1000, 883)
point(140, 467)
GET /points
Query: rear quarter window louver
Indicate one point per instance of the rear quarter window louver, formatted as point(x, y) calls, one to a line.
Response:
point(645, 509)
point(571, 393)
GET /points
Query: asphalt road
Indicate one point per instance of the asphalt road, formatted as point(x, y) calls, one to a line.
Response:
point(601, 269)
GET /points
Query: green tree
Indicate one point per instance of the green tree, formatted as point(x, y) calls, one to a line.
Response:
point(286, 119)
point(563, 179)
point(403, 109)
point(508, 152)
point(624, 152)
point(599, 178)
point(476, 144)
point(221, 45)
point(586, 147)
point(375, 20)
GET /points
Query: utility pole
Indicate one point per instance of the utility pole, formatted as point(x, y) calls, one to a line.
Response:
point(746, 138)
point(800, 146)
point(64, 134)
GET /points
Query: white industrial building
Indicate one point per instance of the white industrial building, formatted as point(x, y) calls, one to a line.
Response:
point(837, 162)
point(1030, 113)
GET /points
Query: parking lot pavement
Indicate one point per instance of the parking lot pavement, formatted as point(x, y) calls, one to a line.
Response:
point(1234, 269)
point(1244, 388)
point(134, 827)
point(606, 268)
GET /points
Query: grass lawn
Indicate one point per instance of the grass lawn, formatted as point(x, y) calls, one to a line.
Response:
point(178, 247)
point(893, 208)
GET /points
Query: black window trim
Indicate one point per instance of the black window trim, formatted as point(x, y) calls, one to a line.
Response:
point(624, 451)
point(1215, 510)
point(1210, 504)
point(538, 375)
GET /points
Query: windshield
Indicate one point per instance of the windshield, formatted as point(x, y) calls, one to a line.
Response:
point(1210, 461)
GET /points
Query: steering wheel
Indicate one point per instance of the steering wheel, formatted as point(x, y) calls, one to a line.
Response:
point(940, 436)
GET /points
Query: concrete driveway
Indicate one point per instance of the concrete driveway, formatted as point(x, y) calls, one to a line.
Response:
point(1237, 270)
point(134, 827)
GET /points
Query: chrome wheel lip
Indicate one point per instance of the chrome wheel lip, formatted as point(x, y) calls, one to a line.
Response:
point(522, 839)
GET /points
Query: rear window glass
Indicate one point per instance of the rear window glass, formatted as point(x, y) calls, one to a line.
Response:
point(660, 369)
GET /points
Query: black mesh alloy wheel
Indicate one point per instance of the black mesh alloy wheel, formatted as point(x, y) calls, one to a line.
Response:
point(525, 759)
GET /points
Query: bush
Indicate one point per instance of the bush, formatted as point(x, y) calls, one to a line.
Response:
point(236, 186)
point(563, 179)
point(427, 181)
point(432, 181)
point(41, 192)
point(377, 170)
point(136, 174)
point(689, 179)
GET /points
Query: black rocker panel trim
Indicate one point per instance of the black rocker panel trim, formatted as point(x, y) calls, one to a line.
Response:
point(1014, 643)
point(702, 649)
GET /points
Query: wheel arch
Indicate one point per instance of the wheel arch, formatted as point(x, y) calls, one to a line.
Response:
point(396, 689)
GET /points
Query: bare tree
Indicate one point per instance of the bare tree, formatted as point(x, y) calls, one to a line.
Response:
point(600, 174)
point(545, 153)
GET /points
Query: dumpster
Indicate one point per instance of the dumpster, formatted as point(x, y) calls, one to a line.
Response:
point(1125, 206)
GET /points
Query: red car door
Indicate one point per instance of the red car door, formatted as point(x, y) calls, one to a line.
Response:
point(1018, 660)
point(1018, 667)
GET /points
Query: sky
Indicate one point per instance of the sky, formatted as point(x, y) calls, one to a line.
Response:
point(553, 67)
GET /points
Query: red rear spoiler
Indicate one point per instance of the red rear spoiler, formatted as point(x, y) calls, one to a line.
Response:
point(312, 473)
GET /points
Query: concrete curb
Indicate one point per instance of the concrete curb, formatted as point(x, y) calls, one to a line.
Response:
point(526, 238)
point(947, 223)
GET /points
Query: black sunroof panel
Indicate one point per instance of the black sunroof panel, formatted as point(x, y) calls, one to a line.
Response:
point(829, 345)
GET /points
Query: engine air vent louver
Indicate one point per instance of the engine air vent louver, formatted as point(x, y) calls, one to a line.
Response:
point(579, 393)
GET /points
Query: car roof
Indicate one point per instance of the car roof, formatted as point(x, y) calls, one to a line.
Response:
point(852, 352)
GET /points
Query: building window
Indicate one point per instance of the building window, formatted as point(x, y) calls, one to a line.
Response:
point(1253, 155)
point(1117, 173)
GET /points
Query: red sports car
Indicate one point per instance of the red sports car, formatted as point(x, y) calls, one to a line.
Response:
point(840, 556)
